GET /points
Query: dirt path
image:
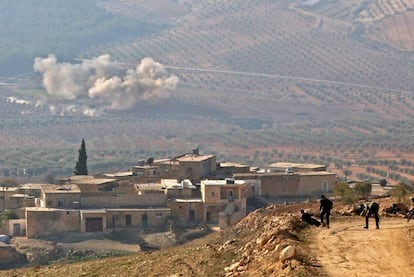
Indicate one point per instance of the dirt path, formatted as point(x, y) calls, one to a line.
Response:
point(346, 249)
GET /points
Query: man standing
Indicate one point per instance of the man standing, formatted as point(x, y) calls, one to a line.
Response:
point(371, 208)
point(325, 209)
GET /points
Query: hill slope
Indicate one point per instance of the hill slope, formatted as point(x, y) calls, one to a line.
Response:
point(253, 248)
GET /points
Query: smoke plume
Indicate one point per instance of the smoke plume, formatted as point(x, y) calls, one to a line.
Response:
point(105, 81)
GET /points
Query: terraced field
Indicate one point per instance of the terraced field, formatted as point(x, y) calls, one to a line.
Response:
point(260, 81)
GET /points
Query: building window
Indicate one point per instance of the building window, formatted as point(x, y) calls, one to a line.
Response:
point(213, 193)
point(128, 220)
point(60, 203)
point(230, 193)
point(158, 214)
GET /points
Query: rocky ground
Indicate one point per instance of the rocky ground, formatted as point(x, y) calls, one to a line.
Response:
point(271, 241)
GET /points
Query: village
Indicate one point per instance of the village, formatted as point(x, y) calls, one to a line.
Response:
point(192, 188)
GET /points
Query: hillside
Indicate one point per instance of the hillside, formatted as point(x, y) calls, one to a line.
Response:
point(260, 81)
point(30, 29)
point(253, 248)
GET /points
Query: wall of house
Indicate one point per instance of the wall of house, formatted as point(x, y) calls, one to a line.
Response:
point(52, 200)
point(85, 214)
point(182, 210)
point(279, 185)
point(6, 202)
point(22, 227)
point(211, 194)
point(314, 185)
point(123, 200)
point(194, 170)
point(154, 218)
point(229, 220)
point(182, 193)
point(19, 202)
point(289, 185)
point(214, 211)
point(41, 222)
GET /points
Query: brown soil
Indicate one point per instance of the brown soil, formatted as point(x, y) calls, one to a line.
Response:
point(346, 249)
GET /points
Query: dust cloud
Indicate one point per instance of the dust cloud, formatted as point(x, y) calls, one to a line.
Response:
point(105, 82)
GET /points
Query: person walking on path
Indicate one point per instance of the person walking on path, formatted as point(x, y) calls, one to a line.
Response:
point(325, 209)
point(371, 208)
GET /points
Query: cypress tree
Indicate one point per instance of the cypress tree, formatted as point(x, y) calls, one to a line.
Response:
point(81, 167)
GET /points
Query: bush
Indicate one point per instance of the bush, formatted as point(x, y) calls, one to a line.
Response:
point(343, 191)
point(363, 190)
point(402, 192)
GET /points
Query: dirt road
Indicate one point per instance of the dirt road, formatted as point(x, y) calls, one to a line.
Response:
point(346, 249)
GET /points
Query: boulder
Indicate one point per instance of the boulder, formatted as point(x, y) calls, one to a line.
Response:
point(287, 253)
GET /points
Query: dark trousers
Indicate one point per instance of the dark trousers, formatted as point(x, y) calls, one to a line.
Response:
point(375, 213)
point(325, 214)
point(410, 214)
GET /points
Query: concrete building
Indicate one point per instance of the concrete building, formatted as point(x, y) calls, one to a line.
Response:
point(290, 185)
point(224, 201)
point(42, 222)
point(193, 166)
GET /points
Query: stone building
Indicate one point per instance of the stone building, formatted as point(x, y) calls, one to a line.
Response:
point(226, 198)
point(290, 185)
point(193, 166)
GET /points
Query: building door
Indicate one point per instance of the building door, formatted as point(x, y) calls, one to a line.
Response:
point(128, 220)
point(16, 229)
point(114, 218)
point(192, 215)
point(208, 217)
point(94, 224)
point(144, 220)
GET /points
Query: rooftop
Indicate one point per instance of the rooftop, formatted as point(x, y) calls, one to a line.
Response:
point(69, 188)
point(233, 164)
point(179, 184)
point(227, 182)
point(190, 157)
point(296, 165)
point(119, 174)
point(31, 186)
point(149, 186)
point(315, 173)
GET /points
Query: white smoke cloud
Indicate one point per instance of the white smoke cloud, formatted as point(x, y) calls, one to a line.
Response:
point(105, 81)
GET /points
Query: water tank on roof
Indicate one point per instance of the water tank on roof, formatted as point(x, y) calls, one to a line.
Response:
point(230, 181)
point(196, 151)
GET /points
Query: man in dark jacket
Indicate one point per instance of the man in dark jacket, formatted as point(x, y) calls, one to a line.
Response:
point(371, 208)
point(325, 209)
point(307, 217)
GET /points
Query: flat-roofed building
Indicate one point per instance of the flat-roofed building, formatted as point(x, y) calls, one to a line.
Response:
point(291, 185)
point(224, 201)
point(296, 167)
point(194, 166)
